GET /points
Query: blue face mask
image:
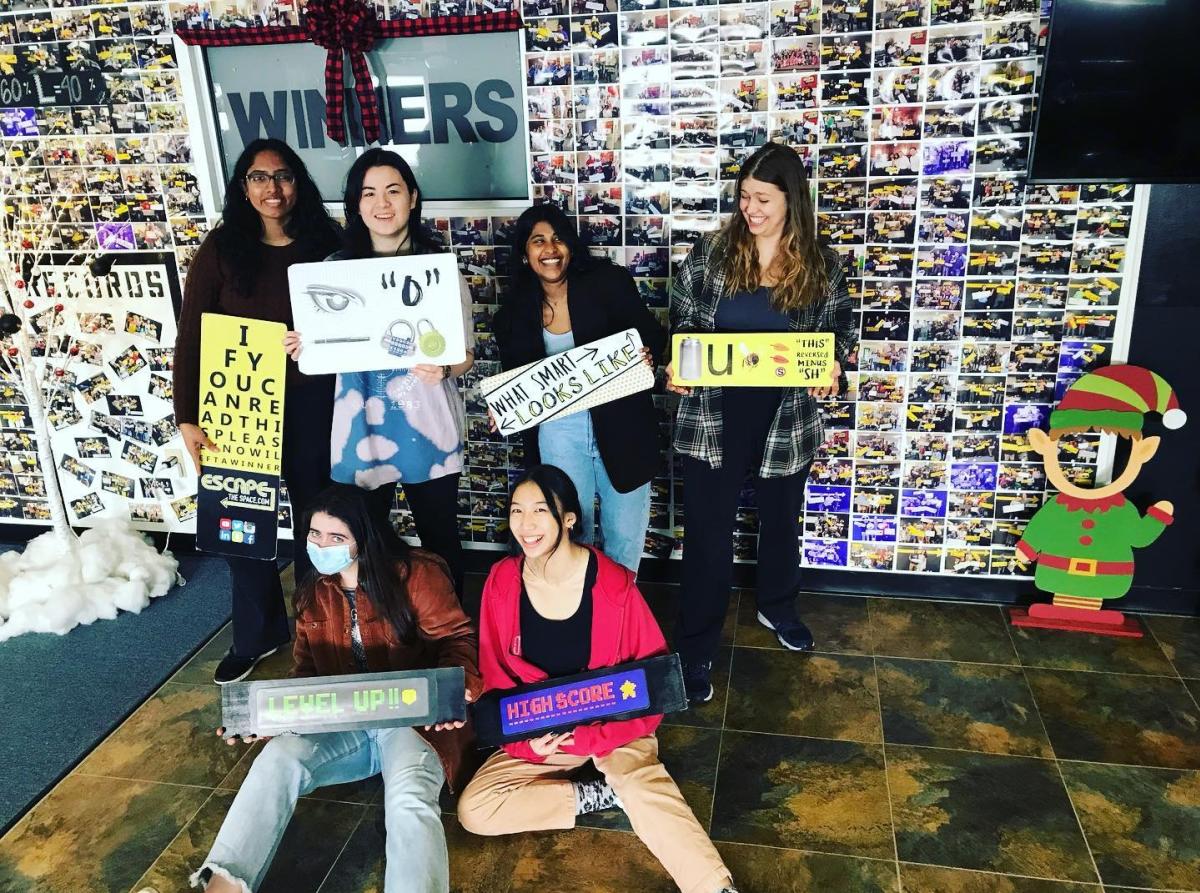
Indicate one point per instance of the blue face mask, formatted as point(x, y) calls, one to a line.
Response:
point(330, 559)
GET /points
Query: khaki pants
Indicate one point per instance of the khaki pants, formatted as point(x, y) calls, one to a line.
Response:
point(508, 795)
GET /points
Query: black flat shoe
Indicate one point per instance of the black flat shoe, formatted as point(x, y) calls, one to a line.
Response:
point(234, 668)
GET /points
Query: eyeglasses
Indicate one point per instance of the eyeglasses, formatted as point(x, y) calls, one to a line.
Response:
point(281, 178)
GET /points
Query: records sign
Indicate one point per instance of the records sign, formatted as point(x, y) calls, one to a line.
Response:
point(107, 345)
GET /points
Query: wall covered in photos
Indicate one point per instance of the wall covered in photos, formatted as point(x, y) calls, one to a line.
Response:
point(981, 297)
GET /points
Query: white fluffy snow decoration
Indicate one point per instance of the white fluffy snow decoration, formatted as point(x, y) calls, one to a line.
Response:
point(55, 585)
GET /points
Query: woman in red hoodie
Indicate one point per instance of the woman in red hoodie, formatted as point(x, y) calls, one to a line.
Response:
point(558, 608)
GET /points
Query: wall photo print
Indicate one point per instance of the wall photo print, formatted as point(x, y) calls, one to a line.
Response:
point(981, 298)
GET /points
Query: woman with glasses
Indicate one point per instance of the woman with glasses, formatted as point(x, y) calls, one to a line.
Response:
point(273, 218)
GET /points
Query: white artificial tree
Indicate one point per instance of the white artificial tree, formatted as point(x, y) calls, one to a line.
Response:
point(60, 579)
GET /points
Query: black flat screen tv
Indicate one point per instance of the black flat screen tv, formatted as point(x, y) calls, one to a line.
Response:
point(1120, 95)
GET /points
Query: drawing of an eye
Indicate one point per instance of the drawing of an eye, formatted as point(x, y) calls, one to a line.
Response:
point(327, 299)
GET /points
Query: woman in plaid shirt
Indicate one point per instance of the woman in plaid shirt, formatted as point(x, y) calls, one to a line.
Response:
point(764, 271)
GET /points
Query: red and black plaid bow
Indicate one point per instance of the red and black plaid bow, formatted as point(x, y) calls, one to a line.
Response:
point(345, 26)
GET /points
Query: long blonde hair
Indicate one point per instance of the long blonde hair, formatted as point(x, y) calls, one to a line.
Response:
point(799, 266)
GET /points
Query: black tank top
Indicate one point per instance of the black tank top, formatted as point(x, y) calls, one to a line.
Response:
point(559, 647)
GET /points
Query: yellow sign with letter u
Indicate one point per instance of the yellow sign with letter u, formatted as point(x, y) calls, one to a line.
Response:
point(753, 359)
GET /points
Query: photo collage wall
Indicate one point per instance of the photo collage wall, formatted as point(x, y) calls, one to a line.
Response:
point(980, 297)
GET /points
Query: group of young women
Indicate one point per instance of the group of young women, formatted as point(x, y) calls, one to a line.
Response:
point(366, 602)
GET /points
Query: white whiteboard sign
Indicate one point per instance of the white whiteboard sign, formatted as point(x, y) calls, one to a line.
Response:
point(378, 313)
point(579, 378)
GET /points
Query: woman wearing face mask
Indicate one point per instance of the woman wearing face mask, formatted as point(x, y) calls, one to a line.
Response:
point(557, 608)
point(273, 218)
point(372, 604)
point(399, 426)
point(561, 297)
point(763, 272)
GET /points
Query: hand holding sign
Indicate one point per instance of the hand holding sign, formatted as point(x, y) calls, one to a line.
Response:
point(831, 389)
point(551, 744)
point(455, 723)
point(195, 440)
point(231, 740)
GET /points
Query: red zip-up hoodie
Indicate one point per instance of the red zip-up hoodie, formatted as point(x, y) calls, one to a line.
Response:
point(623, 630)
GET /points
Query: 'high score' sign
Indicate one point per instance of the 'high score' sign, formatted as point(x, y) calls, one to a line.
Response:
point(639, 688)
point(578, 702)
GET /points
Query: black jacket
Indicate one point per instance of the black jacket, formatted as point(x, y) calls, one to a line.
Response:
point(602, 301)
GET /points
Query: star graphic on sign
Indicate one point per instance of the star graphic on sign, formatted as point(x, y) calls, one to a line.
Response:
point(628, 689)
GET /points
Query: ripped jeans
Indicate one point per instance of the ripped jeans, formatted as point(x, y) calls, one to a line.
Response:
point(291, 766)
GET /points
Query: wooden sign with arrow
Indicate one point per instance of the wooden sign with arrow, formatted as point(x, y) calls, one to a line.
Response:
point(576, 379)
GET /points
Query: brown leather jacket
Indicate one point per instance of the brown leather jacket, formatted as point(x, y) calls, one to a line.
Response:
point(446, 639)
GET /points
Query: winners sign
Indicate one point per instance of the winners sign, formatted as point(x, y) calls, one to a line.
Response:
point(451, 105)
point(242, 375)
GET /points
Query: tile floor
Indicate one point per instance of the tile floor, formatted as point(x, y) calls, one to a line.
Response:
point(925, 746)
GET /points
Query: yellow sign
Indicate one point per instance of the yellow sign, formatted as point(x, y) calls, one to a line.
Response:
point(753, 359)
point(242, 374)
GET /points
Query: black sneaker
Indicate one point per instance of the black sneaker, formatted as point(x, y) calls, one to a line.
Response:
point(234, 668)
point(697, 682)
point(792, 635)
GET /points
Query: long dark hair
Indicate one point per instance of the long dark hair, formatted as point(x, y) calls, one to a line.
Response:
point(357, 238)
point(384, 560)
point(799, 268)
point(525, 292)
point(561, 496)
point(239, 237)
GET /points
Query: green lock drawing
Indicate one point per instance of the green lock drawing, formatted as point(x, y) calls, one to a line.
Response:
point(431, 341)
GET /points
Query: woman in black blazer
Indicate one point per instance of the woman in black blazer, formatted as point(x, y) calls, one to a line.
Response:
point(560, 296)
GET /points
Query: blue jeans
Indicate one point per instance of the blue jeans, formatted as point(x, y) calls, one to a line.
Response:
point(293, 765)
point(570, 444)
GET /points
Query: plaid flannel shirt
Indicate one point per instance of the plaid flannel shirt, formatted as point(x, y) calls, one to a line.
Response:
point(797, 430)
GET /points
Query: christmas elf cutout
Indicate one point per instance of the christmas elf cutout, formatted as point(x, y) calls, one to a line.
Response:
point(1083, 538)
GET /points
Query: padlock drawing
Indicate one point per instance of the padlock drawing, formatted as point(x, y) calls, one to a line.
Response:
point(399, 346)
point(432, 342)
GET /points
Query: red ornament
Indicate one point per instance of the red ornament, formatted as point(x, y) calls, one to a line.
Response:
point(58, 373)
point(58, 308)
point(12, 351)
point(50, 292)
point(20, 283)
point(27, 304)
point(74, 349)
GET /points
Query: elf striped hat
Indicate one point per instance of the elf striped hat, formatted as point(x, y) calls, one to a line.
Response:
point(1116, 398)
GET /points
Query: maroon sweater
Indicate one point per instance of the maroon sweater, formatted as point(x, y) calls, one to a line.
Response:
point(211, 289)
